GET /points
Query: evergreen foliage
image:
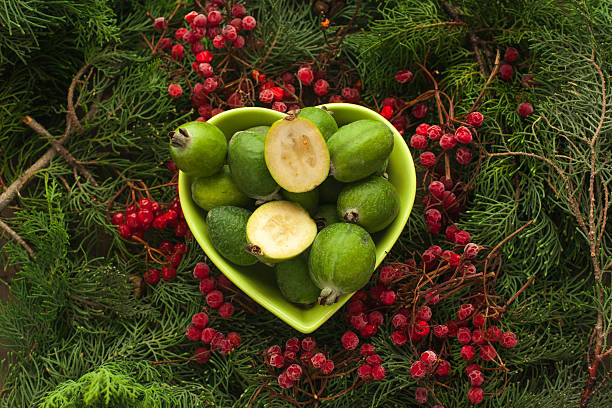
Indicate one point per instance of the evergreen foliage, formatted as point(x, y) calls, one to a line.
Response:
point(79, 337)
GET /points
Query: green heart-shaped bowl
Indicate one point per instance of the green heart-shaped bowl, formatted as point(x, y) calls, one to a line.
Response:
point(259, 281)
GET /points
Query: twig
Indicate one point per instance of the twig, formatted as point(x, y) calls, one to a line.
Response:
point(472, 36)
point(17, 238)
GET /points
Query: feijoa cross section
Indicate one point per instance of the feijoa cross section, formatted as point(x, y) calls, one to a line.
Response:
point(227, 230)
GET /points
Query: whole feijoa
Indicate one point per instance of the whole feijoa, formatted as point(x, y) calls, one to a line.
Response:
point(341, 260)
point(227, 230)
point(372, 203)
point(359, 149)
point(260, 131)
point(294, 281)
point(322, 118)
point(216, 190)
point(247, 166)
point(198, 148)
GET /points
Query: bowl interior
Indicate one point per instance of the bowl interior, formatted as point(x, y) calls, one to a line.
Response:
point(259, 281)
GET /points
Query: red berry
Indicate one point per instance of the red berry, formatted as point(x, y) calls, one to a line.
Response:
point(398, 337)
point(351, 95)
point(366, 349)
point(249, 23)
point(214, 299)
point(200, 21)
point(238, 11)
point(527, 81)
point(202, 355)
point(375, 318)
point(193, 333)
point(208, 335)
point(424, 313)
point(124, 231)
point(508, 340)
point(433, 297)
point(463, 155)
point(470, 368)
point(266, 96)
point(462, 237)
point(207, 285)
point(436, 188)
point(160, 223)
point(470, 251)
point(451, 230)
point(318, 360)
point(429, 357)
point(434, 132)
point(293, 344)
point(336, 99)
point(476, 378)
point(205, 69)
point(180, 33)
point(475, 119)
point(214, 18)
point(175, 259)
point(321, 87)
point(448, 141)
point(159, 23)
point(386, 112)
point(468, 352)
point(201, 271)
point(234, 338)
point(422, 129)
point(418, 141)
point(392, 102)
point(427, 159)
point(327, 367)
point(239, 41)
point(190, 16)
point(294, 372)
point(308, 343)
point(365, 372)
point(464, 336)
point(279, 106)
point(305, 358)
point(418, 369)
point(277, 360)
point(374, 360)
point(444, 368)
point(168, 272)
point(275, 349)
point(487, 352)
point(403, 76)
point(118, 218)
point(284, 381)
point(463, 135)
point(419, 110)
point(399, 321)
point(465, 311)
point(433, 216)
point(356, 307)
point(525, 109)
point(475, 395)
point(511, 54)
point(506, 71)
point(305, 75)
point(368, 330)
point(378, 372)
point(387, 297)
point(350, 341)
point(229, 32)
point(420, 395)
point(175, 90)
point(359, 321)
point(478, 337)
point(387, 274)
point(197, 47)
point(440, 331)
point(152, 276)
point(226, 310)
point(219, 41)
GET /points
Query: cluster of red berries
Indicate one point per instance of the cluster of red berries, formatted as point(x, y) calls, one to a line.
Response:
point(174, 254)
point(506, 71)
point(294, 363)
point(201, 329)
point(462, 136)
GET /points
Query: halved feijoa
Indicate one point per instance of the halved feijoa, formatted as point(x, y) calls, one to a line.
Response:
point(296, 154)
point(359, 149)
point(372, 203)
point(247, 165)
point(322, 118)
point(227, 230)
point(279, 230)
point(341, 260)
point(198, 148)
point(216, 190)
point(294, 281)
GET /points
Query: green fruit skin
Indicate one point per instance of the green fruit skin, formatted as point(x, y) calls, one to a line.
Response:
point(248, 165)
point(374, 200)
point(383, 169)
point(309, 200)
point(342, 258)
point(322, 119)
point(227, 230)
point(329, 190)
point(204, 151)
point(358, 149)
point(260, 130)
point(217, 190)
point(327, 214)
point(294, 281)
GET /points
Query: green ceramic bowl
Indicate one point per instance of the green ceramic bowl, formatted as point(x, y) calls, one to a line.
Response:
point(258, 281)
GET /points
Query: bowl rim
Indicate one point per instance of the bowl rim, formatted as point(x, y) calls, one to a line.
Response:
point(223, 264)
